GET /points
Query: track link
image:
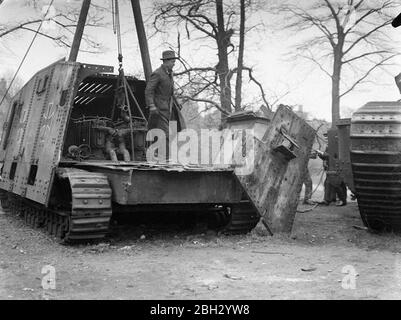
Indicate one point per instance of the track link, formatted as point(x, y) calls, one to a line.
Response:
point(90, 206)
point(375, 143)
point(87, 216)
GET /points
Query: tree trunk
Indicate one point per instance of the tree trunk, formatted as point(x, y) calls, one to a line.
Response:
point(223, 39)
point(335, 79)
point(335, 93)
point(238, 85)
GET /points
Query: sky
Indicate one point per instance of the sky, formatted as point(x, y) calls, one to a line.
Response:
point(266, 53)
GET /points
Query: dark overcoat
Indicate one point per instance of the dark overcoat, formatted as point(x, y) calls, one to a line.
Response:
point(159, 92)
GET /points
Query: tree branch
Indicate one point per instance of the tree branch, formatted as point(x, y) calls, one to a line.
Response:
point(57, 39)
point(360, 80)
point(197, 26)
point(311, 58)
point(207, 101)
point(307, 17)
point(366, 35)
point(365, 55)
point(195, 69)
point(20, 26)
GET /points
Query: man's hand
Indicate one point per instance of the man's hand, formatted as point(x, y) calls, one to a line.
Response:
point(175, 101)
point(320, 153)
point(313, 154)
point(153, 110)
point(153, 117)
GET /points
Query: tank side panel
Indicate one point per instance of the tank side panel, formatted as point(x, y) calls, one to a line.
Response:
point(15, 151)
point(49, 131)
point(171, 187)
point(275, 182)
point(41, 94)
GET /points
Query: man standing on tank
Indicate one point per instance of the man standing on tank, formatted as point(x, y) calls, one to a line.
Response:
point(159, 95)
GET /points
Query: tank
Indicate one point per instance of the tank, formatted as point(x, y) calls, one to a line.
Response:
point(66, 167)
point(375, 133)
point(73, 155)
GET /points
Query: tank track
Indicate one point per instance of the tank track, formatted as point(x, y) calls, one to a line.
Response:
point(243, 218)
point(4, 202)
point(376, 164)
point(237, 218)
point(86, 218)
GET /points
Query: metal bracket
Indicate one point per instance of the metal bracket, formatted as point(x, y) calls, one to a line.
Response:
point(128, 185)
point(284, 148)
point(98, 68)
point(42, 87)
point(290, 139)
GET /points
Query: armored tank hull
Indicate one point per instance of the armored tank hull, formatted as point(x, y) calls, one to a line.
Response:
point(68, 162)
point(375, 136)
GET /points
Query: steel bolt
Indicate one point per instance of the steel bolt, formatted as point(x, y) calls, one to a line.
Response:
point(85, 201)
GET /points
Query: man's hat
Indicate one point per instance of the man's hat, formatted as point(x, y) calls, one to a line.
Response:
point(397, 21)
point(398, 81)
point(168, 54)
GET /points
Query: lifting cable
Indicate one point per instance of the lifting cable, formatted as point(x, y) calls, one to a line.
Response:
point(121, 76)
point(117, 30)
point(320, 180)
point(122, 81)
point(27, 51)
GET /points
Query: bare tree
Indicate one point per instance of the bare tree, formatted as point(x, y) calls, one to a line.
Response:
point(214, 25)
point(346, 41)
point(60, 22)
point(238, 85)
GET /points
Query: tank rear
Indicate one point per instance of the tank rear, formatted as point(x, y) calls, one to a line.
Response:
point(376, 164)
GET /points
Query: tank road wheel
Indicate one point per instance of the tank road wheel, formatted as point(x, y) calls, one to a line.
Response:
point(57, 227)
point(5, 204)
point(219, 217)
point(41, 218)
point(243, 218)
point(49, 222)
point(30, 215)
point(35, 219)
point(10, 205)
point(62, 227)
point(27, 215)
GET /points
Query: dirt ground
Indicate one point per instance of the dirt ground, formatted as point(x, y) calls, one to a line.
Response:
point(327, 256)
